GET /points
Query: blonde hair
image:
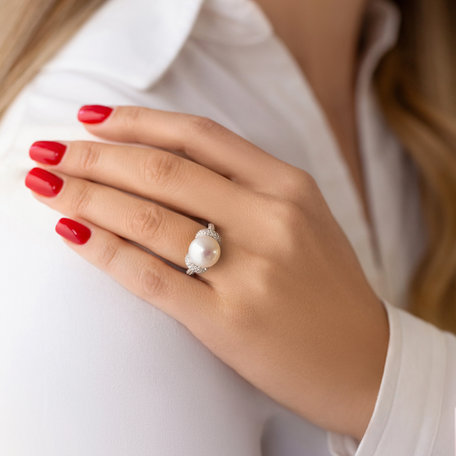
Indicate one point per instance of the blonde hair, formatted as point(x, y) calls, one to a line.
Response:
point(416, 85)
point(31, 32)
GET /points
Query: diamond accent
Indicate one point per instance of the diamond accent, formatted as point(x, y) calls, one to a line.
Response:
point(192, 268)
point(210, 231)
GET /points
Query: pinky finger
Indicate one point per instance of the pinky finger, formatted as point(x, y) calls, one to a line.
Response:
point(185, 298)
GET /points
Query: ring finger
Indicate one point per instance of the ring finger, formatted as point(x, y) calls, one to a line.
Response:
point(163, 231)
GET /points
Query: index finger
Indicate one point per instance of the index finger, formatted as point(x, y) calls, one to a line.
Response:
point(200, 138)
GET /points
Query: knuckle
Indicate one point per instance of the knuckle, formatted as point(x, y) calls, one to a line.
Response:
point(82, 199)
point(161, 169)
point(308, 181)
point(298, 179)
point(150, 282)
point(265, 271)
point(298, 185)
point(108, 255)
point(129, 117)
point(145, 221)
point(203, 125)
point(89, 155)
point(286, 212)
point(286, 220)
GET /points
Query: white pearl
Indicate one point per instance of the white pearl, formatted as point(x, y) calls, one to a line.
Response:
point(204, 251)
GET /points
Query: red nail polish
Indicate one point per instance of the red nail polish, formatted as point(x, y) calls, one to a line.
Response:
point(47, 152)
point(73, 231)
point(43, 182)
point(93, 114)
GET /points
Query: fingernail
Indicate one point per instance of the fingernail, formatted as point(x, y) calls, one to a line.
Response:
point(47, 152)
point(73, 231)
point(93, 114)
point(43, 182)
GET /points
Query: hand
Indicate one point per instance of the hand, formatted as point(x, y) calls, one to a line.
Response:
point(287, 305)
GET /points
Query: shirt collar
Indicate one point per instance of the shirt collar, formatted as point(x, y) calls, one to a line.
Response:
point(131, 41)
point(135, 41)
point(241, 22)
point(380, 33)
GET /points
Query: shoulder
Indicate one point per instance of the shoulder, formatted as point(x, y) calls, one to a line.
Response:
point(114, 58)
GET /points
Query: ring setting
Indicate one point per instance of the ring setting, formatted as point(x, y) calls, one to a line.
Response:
point(204, 251)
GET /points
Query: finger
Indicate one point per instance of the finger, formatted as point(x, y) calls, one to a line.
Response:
point(200, 138)
point(155, 174)
point(165, 232)
point(185, 298)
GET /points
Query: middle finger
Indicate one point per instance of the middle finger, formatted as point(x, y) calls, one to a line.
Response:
point(181, 184)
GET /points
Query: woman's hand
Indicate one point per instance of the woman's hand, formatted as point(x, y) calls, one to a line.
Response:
point(287, 305)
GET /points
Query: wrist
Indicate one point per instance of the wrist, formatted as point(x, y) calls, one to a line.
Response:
point(366, 397)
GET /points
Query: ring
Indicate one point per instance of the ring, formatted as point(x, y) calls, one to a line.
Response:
point(204, 251)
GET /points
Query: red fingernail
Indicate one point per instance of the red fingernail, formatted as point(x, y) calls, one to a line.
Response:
point(43, 182)
point(93, 114)
point(73, 231)
point(47, 152)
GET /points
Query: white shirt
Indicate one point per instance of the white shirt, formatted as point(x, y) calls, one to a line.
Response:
point(88, 368)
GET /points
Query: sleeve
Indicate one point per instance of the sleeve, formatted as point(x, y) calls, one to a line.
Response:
point(414, 413)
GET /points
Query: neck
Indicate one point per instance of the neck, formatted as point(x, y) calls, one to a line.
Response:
point(323, 37)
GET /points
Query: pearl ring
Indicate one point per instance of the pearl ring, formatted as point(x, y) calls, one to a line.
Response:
point(204, 251)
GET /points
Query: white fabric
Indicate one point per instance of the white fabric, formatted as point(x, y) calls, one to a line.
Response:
point(86, 368)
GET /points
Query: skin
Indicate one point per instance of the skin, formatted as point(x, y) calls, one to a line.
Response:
point(290, 310)
point(323, 45)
